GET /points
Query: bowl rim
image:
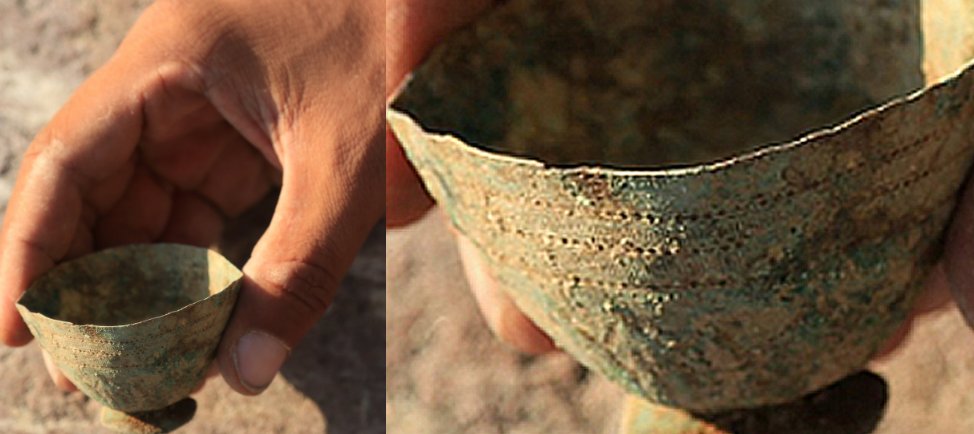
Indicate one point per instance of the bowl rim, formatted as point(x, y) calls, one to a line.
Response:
point(235, 283)
point(767, 150)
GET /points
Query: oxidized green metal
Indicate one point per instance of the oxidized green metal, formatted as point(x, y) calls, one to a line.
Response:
point(134, 327)
point(610, 161)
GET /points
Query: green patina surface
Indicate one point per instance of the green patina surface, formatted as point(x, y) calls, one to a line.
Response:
point(752, 279)
point(134, 327)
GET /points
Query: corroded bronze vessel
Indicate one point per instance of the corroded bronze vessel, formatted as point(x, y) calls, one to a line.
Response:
point(135, 327)
point(715, 204)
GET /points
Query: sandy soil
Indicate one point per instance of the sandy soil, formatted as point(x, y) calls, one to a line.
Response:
point(334, 380)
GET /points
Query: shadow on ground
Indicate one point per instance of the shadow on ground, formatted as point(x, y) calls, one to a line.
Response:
point(340, 363)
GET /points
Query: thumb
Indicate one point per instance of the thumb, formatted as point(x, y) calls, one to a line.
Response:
point(328, 205)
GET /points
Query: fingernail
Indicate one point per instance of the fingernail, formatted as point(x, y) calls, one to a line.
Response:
point(257, 359)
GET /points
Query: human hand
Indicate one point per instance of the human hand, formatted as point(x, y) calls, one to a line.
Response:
point(415, 27)
point(953, 277)
point(201, 111)
point(408, 201)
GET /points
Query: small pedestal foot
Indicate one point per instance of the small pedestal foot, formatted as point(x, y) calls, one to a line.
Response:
point(854, 405)
point(149, 422)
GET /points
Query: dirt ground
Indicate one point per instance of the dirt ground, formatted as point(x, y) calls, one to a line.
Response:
point(334, 380)
point(446, 374)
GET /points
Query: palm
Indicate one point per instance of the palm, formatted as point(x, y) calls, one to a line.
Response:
point(165, 167)
point(189, 171)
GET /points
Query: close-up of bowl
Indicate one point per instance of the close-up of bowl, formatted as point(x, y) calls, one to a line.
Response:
point(716, 205)
point(136, 327)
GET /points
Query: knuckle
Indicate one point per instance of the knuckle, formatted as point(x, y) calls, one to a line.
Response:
point(198, 25)
point(307, 286)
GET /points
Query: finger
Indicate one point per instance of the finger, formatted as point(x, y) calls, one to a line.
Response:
point(895, 341)
point(199, 387)
point(329, 202)
point(187, 159)
point(60, 380)
point(140, 215)
point(501, 314)
point(237, 180)
point(935, 294)
point(83, 242)
point(414, 27)
point(959, 254)
point(192, 221)
point(89, 139)
point(406, 198)
point(211, 372)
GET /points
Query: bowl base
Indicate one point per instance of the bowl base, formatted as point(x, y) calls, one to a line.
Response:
point(149, 422)
point(853, 405)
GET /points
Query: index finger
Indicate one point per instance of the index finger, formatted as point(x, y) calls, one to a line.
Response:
point(92, 136)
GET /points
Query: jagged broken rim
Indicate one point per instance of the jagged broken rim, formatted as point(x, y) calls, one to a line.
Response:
point(820, 242)
point(128, 347)
point(769, 150)
point(232, 280)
